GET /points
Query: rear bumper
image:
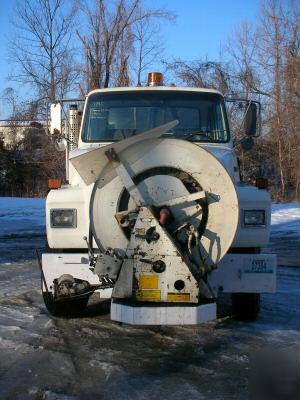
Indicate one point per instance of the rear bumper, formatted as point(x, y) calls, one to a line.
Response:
point(236, 273)
point(162, 314)
point(245, 273)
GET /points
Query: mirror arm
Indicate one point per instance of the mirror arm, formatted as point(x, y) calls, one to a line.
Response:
point(59, 136)
point(54, 137)
point(236, 143)
point(259, 119)
point(241, 141)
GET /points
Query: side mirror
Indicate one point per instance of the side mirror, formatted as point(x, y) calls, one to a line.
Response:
point(55, 115)
point(250, 120)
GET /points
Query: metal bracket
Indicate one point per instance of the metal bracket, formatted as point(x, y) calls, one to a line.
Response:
point(49, 295)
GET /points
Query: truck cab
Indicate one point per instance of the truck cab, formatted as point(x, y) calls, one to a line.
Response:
point(156, 159)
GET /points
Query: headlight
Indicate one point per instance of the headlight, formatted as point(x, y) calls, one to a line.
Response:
point(63, 218)
point(254, 217)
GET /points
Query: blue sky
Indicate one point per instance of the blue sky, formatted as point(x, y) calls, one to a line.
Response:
point(202, 25)
point(200, 28)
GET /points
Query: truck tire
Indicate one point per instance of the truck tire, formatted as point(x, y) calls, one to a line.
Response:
point(246, 306)
point(70, 309)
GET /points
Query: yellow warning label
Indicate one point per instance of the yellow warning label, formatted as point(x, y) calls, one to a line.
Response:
point(147, 295)
point(178, 297)
point(148, 282)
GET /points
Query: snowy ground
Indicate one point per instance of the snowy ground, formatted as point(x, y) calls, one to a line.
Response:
point(93, 358)
point(285, 237)
point(286, 219)
point(22, 228)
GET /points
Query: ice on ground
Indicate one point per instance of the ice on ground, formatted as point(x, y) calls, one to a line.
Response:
point(93, 358)
point(22, 228)
point(285, 233)
point(286, 218)
point(285, 213)
point(21, 216)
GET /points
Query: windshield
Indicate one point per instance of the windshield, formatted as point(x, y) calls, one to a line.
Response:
point(115, 116)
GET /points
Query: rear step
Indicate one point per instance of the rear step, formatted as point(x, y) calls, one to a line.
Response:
point(167, 314)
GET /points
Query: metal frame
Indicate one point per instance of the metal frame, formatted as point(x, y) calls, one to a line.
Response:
point(38, 256)
point(61, 101)
point(67, 151)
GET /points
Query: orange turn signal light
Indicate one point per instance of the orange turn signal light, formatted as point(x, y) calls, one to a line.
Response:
point(54, 183)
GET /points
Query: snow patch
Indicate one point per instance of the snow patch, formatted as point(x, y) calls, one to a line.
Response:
point(22, 228)
point(285, 220)
point(107, 368)
point(285, 213)
point(21, 217)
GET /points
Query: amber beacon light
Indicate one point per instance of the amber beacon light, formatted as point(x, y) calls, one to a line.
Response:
point(155, 79)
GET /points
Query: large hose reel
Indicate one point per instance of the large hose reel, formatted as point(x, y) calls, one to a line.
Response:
point(166, 187)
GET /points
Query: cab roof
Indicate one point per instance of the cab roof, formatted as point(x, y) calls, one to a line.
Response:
point(156, 89)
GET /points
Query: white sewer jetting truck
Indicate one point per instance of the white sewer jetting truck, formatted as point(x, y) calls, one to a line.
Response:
point(154, 214)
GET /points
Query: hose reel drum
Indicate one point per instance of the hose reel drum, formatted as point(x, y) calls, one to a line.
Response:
point(168, 208)
point(174, 168)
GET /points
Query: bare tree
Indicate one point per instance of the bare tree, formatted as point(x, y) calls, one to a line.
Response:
point(27, 156)
point(110, 40)
point(265, 60)
point(242, 47)
point(107, 24)
point(41, 46)
point(199, 73)
point(262, 62)
point(148, 42)
point(121, 66)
